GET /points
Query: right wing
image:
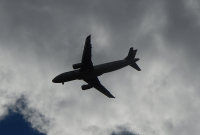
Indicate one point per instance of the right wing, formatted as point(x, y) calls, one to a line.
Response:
point(86, 58)
point(97, 85)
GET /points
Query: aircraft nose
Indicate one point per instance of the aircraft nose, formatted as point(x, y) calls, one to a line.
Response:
point(55, 80)
point(64, 77)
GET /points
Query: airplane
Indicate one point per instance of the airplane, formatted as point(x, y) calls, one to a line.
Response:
point(87, 72)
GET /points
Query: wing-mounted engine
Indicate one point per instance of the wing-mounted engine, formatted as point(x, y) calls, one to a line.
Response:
point(86, 87)
point(76, 66)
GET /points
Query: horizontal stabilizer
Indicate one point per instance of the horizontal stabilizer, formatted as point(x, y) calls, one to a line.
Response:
point(134, 65)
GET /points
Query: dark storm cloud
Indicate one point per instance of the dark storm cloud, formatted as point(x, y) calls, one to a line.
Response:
point(183, 30)
point(23, 18)
point(182, 35)
point(123, 131)
point(49, 27)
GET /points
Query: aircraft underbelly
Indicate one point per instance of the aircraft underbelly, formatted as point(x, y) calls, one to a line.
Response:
point(112, 66)
point(98, 70)
point(88, 74)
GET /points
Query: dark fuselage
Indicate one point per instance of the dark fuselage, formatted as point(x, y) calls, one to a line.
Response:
point(98, 70)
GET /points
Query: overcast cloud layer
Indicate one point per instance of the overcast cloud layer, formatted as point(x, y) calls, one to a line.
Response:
point(41, 39)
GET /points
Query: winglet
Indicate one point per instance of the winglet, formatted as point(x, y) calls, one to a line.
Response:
point(88, 40)
point(112, 96)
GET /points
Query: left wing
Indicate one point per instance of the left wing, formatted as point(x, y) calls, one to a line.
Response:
point(97, 85)
point(86, 58)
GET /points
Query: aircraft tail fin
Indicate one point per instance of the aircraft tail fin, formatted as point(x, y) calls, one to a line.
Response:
point(131, 56)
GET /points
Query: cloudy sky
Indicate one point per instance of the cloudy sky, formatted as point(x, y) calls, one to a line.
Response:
point(41, 39)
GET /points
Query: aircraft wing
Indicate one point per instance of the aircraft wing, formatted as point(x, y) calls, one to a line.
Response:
point(87, 54)
point(97, 85)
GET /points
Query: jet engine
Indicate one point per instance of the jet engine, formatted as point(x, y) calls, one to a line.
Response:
point(86, 86)
point(76, 66)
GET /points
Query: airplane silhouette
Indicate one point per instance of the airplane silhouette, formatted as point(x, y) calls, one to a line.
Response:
point(89, 73)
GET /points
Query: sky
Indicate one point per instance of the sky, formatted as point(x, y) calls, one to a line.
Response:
point(14, 124)
point(41, 39)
